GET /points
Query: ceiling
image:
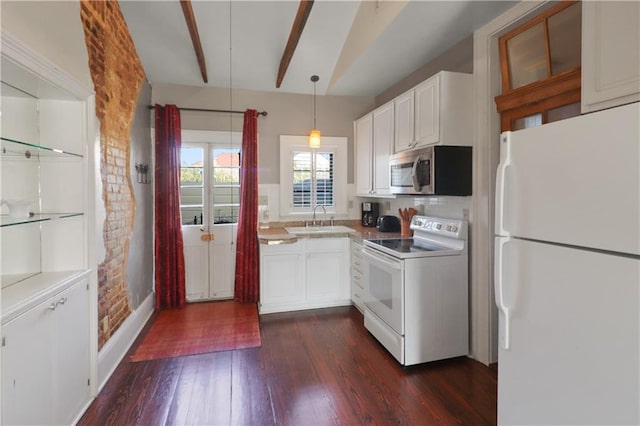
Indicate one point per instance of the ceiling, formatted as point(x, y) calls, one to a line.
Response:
point(356, 47)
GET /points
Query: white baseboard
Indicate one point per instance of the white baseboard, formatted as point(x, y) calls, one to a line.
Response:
point(118, 345)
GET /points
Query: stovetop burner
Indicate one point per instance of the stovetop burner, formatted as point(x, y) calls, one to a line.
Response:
point(402, 245)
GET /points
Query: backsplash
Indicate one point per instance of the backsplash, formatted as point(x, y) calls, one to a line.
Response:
point(445, 206)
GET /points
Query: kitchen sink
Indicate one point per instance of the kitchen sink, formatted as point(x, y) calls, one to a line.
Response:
point(299, 230)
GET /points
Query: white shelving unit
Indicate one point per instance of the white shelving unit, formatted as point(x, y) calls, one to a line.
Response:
point(49, 319)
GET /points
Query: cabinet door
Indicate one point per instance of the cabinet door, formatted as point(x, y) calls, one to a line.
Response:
point(610, 54)
point(326, 278)
point(282, 277)
point(71, 360)
point(382, 148)
point(364, 154)
point(27, 367)
point(427, 114)
point(404, 121)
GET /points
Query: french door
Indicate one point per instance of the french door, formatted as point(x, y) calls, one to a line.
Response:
point(209, 206)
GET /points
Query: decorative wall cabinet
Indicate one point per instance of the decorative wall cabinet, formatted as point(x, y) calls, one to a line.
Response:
point(46, 308)
point(374, 135)
point(441, 113)
point(610, 54)
point(310, 273)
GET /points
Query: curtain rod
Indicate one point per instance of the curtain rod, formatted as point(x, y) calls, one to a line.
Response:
point(263, 113)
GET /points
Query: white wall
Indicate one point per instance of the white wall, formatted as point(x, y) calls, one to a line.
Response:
point(289, 114)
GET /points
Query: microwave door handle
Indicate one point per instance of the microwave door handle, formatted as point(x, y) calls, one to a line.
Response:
point(414, 175)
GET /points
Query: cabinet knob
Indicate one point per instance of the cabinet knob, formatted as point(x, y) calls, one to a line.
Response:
point(52, 306)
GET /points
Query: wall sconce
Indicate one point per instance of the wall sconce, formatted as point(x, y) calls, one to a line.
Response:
point(142, 173)
point(314, 135)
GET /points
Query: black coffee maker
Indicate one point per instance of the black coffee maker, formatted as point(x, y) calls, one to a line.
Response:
point(370, 213)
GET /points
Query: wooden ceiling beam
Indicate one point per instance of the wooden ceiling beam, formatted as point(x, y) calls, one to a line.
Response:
point(187, 10)
point(294, 36)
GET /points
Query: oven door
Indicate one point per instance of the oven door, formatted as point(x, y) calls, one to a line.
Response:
point(385, 298)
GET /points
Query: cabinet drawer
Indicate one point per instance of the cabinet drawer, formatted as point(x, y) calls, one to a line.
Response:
point(357, 297)
point(356, 250)
point(281, 248)
point(357, 265)
point(327, 244)
point(357, 279)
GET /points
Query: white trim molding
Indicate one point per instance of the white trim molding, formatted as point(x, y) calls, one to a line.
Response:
point(23, 55)
point(486, 153)
point(117, 346)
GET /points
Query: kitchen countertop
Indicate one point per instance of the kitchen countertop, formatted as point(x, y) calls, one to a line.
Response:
point(276, 234)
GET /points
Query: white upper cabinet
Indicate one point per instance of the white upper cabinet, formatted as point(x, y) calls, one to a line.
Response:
point(438, 111)
point(363, 130)
point(427, 112)
point(610, 54)
point(382, 148)
point(404, 121)
point(374, 136)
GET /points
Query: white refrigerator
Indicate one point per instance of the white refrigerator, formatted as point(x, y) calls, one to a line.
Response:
point(567, 271)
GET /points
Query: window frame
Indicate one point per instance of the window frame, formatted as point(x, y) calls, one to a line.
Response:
point(208, 140)
point(292, 143)
point(542, 95)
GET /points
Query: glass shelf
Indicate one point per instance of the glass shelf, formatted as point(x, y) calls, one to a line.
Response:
point(15, 148)
point(6, 220)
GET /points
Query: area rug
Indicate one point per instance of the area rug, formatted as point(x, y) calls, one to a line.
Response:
point(200, 328)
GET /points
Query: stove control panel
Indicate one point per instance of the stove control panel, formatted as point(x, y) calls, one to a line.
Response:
point(453, 228)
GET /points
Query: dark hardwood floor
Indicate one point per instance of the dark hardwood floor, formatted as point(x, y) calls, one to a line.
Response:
point(317, 367)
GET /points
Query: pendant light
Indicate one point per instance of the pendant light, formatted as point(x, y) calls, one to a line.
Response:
point(314, 135)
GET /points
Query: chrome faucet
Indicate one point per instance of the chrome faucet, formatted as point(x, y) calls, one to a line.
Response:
point(313, 221)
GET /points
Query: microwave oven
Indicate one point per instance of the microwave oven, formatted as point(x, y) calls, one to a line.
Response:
point(433, 170)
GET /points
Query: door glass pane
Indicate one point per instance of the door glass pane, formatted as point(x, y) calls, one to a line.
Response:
point(526, 122)
point(563, 112)
point(225, 185)
point(565, 34)
point(527, 56)
point(191, 189)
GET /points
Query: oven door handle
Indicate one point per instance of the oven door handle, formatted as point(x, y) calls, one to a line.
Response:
point(386, 260)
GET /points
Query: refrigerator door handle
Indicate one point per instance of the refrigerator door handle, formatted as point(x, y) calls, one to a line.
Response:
point(499, 291)
point(505, 163)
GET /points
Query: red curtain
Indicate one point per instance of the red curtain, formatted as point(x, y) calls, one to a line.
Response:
point(169, 256)
point(247, 284)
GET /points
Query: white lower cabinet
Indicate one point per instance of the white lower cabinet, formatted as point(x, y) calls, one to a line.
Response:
point(311, 273)
point(358, 284)
point(45, 360)
point(281, 275)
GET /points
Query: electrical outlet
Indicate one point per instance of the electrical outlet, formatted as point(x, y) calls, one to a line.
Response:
point(387, 205)
point(350, 204)
point(465, 214)
point(263, 200)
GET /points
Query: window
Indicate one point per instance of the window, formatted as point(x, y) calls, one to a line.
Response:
point(541, 68)
point(312, 177)
point(209, 177)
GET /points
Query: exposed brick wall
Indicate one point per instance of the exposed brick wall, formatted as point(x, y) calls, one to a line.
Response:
point(118, 76)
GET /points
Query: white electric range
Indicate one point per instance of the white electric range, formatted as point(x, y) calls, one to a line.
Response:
point(417, 291)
